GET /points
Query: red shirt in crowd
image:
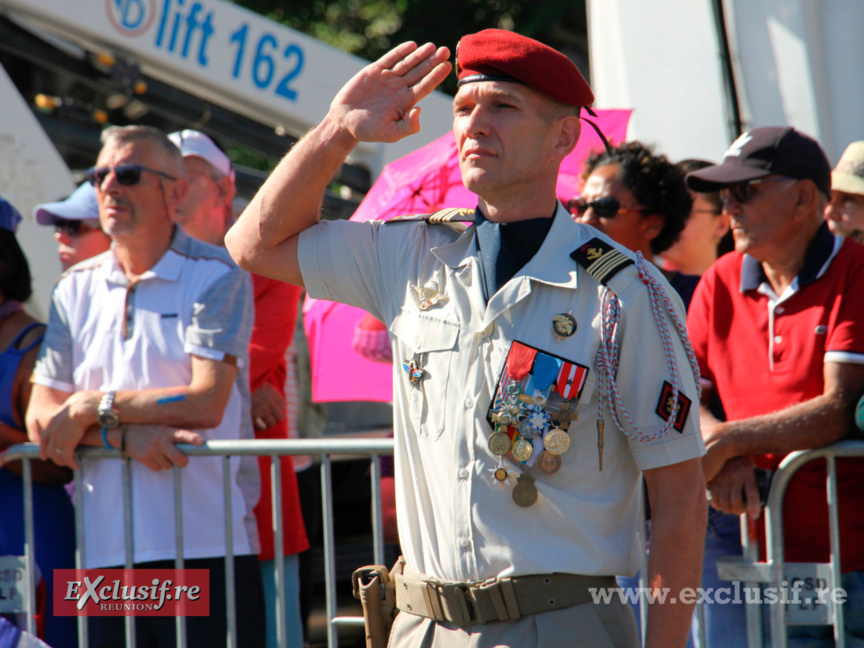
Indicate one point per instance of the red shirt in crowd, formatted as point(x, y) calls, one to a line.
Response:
point(764, 354)
point(275, 318)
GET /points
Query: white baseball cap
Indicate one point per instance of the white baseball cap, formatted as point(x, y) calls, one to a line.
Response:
point(192, 142)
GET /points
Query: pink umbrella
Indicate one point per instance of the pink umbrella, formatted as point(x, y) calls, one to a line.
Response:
point(420, 182)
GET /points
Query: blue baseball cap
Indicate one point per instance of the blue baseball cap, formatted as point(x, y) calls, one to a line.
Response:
point(9, 216)
point(81, 205)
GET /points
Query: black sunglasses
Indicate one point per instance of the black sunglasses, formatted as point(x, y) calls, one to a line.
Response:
point(72, 228)
point(603, 207)
point(126, 174)
point(743, 192)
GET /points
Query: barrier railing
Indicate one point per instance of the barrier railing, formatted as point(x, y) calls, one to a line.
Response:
point(748, 569)
point(774, 572)
point(326, 449)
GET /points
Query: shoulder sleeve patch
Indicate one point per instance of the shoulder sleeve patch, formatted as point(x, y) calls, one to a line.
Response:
point(443, 216)
point(601, 260)
point(667, 405)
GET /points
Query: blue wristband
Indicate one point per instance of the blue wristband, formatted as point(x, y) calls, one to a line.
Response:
point(105, 439)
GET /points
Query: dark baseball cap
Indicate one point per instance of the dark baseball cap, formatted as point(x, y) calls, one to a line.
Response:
point(761, 152)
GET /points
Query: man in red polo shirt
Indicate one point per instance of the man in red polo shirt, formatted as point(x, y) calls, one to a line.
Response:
point(778, 329)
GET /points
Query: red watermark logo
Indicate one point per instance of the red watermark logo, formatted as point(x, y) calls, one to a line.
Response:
point(131, 592)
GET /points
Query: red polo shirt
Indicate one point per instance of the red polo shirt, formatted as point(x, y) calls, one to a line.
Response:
point(275, 317)
point(764, 353)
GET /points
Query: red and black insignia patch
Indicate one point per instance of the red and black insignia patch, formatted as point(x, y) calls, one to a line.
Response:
point(666, 405)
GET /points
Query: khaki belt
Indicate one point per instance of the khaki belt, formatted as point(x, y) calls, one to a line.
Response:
point(495, 599)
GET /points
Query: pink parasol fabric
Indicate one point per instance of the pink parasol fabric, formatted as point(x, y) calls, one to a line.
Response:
point(421, 182)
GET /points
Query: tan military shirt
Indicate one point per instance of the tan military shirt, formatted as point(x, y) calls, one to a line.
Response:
point(455, 521)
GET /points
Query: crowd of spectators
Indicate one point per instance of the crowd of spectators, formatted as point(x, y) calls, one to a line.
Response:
point(151, 342)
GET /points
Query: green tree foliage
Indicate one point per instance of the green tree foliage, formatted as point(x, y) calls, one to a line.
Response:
point(368, 28)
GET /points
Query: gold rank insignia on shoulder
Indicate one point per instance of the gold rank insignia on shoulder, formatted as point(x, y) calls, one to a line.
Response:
point(451, 216)
point(600, 259)
point(439, 217)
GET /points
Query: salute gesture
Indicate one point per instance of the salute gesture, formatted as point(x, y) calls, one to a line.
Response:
point(379, 103)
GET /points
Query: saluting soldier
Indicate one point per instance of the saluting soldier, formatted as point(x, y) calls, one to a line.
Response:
point(533, 359)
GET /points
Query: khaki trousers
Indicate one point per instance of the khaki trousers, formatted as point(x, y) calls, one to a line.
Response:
point(607, 625)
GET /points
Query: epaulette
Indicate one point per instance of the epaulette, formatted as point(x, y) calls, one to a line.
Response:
point(601, 260)
point(444, 216)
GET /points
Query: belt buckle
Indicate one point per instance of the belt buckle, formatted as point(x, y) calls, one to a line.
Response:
point(456, 603)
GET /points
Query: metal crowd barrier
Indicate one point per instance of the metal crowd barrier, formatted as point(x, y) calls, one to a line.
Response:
point(326, 449)
point(775, 572)
point(747, 568)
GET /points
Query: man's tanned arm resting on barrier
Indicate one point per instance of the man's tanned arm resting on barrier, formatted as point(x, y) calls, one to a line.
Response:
point(60, 420)
point(814, 423)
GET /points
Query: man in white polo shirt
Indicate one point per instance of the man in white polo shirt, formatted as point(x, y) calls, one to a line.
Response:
point(146, 343)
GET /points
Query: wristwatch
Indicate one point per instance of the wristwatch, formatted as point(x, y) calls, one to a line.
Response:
point(105, 413)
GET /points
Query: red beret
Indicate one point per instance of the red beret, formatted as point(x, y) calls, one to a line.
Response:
point(500, 55)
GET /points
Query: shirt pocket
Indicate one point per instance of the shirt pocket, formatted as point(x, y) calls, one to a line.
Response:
point(431, 342)
point(168, 335)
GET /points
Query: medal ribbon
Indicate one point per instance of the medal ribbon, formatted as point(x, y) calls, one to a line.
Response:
point(546, 368)
point(571, 379)
point(519, 360)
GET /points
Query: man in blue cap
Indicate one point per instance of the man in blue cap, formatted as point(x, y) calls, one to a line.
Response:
point(531, 387)
point(76, 225)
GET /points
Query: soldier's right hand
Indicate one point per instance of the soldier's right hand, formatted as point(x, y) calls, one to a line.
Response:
point(379, 103)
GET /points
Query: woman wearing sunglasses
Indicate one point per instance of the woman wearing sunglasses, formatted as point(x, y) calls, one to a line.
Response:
point(76, 226)
point(639, 200)
point(707, 235)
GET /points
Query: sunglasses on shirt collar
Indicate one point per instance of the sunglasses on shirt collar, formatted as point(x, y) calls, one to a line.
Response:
point(603, 207)
point(126, 174)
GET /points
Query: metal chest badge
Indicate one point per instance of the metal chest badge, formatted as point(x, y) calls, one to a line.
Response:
point(563, 325)
point(525, 492)
point(414, 370)
point(429, 295)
